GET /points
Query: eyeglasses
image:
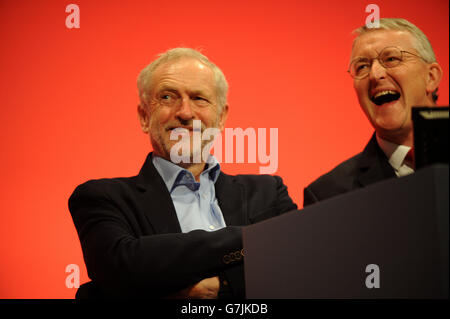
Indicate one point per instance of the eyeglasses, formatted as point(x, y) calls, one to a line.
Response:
point(389, 57)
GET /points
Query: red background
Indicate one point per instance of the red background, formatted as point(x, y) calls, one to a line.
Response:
point(68, 102)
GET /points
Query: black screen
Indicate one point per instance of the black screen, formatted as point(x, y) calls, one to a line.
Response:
point(430, 135)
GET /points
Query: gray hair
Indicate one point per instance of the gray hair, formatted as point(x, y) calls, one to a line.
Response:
point(145, 76)
point(421, 43)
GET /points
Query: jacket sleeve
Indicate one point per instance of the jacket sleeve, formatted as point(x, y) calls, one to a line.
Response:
point(124, 265)
point(285, 203)
point(267, 197)
point(309, 197)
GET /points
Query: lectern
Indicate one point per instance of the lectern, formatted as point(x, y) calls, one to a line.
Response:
point(388, 240)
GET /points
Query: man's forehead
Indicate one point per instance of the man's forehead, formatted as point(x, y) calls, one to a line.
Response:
point(188, 71)
point(183, 66)
point(187, 74)
point(374, 41)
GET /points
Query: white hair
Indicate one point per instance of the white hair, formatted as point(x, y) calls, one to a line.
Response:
point(422, 45)
point(145, 76)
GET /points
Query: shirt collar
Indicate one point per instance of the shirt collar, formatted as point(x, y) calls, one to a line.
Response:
point(174, 175)
point(395, 153)
point(212, 168)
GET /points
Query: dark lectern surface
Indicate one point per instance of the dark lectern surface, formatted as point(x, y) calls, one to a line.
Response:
point(400, 225)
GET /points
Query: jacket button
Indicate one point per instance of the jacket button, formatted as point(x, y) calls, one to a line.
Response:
point(226, 259)
point(237, 255)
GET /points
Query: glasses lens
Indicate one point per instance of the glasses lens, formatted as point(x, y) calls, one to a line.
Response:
point(360, 68)
point(390, 57)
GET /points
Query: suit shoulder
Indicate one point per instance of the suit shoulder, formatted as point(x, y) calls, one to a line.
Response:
point(264, 185)
point(257, 179)
point(342, 175)
point(104, 186)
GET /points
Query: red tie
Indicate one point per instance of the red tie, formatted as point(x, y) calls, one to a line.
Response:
point(410, 156)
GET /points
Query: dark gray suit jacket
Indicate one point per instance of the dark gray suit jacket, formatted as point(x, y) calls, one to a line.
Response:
point(132, 242)
point(368, 167)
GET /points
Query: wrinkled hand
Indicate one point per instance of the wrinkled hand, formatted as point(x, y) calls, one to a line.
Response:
point(206, 289)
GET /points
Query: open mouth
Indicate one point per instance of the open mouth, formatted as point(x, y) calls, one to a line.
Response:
point(383, 97)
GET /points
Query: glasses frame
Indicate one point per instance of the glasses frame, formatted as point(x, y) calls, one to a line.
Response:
point(381, 62)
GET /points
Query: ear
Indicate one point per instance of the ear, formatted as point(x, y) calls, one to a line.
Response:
point(223, 117)
point(434, 77)
point(144, 118)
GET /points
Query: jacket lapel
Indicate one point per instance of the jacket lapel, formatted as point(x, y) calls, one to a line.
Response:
point(373, 165)
point(156, 201)
point(230, 196)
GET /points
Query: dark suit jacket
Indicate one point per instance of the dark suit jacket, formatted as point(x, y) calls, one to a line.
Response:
point(368, 167)
point(132, 242)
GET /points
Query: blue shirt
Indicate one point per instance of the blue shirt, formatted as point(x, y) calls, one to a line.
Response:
point(195, 202)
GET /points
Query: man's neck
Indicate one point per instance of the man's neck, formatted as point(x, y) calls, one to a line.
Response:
point(400, 139)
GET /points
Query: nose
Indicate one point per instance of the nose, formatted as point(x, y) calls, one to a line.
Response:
point(377, 71)
point(184, 111)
